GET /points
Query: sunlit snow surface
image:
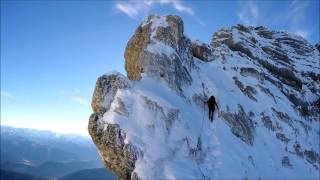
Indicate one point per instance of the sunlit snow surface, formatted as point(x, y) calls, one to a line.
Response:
point(166, 152)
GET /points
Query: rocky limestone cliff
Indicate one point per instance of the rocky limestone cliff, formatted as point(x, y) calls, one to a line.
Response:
point(118, 156)
point(159, 49)
point(153, 124)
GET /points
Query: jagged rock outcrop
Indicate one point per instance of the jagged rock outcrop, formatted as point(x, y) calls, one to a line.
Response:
point(154, 123)
point(317, 46)
point(286, 57)
point(241, 124)
point(105, 89)
point(202, 51)
point(109, 139)
point(159, 49)
point(116, 155)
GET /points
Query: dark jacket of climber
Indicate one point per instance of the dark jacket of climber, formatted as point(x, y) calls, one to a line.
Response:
point(211, 106)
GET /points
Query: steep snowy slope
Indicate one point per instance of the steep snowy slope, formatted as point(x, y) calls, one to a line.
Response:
point(154, 123)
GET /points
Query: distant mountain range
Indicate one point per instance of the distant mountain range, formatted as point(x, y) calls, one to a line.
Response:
point(17, 176)
point(34, 154)
point(96, 174)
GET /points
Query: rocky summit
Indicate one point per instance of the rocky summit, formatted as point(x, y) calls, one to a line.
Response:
point(153, 123)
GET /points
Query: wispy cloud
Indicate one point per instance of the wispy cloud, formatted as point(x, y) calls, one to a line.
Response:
point(80, 100)
point(303, 33)
point(178, 6)
point(74, 95)
point(296, 16)
point(134, 8)
point(76, 90)
point(7, 94)
point(297, 9)
point(249, 13)
point(293, 16)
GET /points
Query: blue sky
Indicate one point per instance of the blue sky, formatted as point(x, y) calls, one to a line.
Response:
point(53, 51)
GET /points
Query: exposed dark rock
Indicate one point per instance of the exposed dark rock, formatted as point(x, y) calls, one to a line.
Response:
point(173, 33)
point(267, 91)
point(115, 154)
point(248, 71)
point(202, 51)
point(156, 62)
point(105, 89)
point(134, 48)
point(219, 37)
point(277, 83)
point(121, 108)
point(247, 90)
point(250, 159)
point(198, 99)
point(241, 48)
point(317, 46)
point(169, 116)
point(267, 122)
point(282, 137)
point(241, 125)
point(296, 101)
point(242, 28)
point(264, 32)
point(284, 117)
point(225, 37)
point(276, 54)
point(312, 156)
point(315, 109)
point(312, 75)
point(297, 149)
point(299, 44)
point(286, 162)
point(285, 75)
point(195, 151)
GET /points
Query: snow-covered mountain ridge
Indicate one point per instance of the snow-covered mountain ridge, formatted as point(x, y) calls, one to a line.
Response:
point(154, 124)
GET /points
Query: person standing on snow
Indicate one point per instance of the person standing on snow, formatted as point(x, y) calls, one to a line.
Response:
point(211, 106)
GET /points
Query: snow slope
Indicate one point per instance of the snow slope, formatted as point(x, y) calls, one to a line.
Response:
point(259, 131)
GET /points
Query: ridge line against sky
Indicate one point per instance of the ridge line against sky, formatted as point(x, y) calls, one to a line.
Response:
point(53, 51)
point(249, 13)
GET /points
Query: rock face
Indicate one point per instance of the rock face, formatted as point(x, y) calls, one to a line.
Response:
point(159, 49)
point(288, 58)
point(202, 51)
point(105, 90)
point(241, 125)
point(153, 123)
point(317, 46)
point(109, 139)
